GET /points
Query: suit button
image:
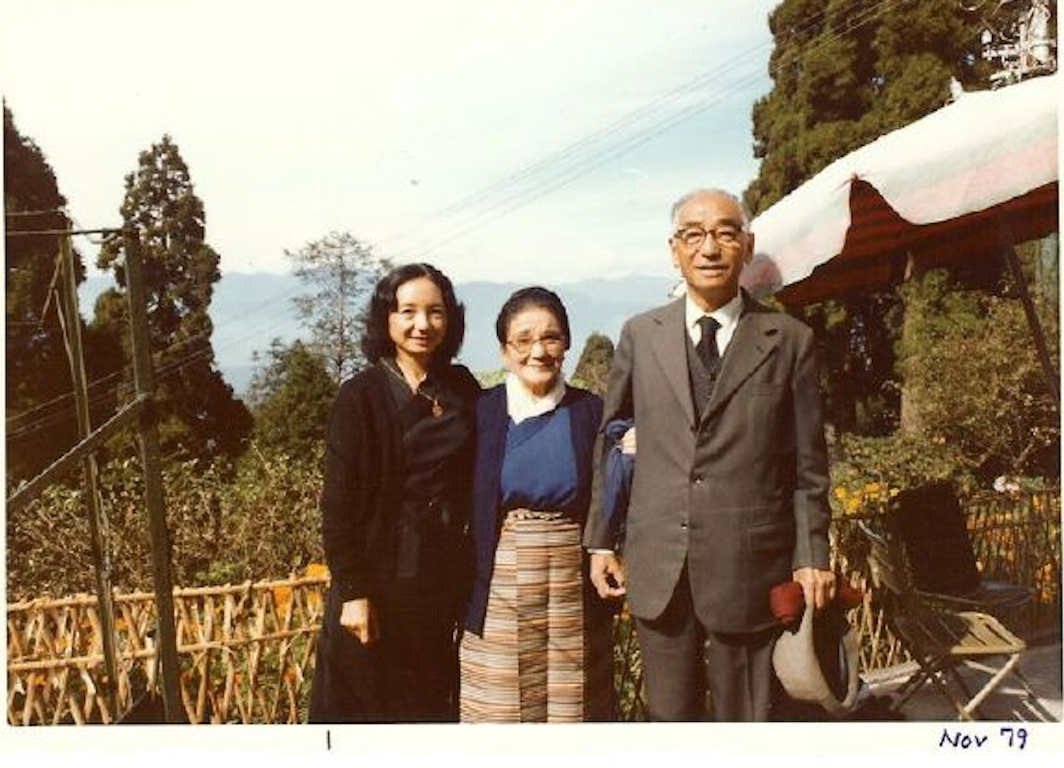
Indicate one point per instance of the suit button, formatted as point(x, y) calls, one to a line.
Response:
point(696, 479)
point(683, 526)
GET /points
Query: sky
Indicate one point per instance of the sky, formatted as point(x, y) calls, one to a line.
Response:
point(504, 141)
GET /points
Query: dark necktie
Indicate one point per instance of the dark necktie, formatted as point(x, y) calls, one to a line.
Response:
point(707, 345)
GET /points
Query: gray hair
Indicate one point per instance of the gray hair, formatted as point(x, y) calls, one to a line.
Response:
point(711, 191)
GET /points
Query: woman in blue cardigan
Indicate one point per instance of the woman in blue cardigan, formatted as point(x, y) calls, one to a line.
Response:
point(537, 646)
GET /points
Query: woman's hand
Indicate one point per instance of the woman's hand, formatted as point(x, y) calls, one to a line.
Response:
point(358, 618)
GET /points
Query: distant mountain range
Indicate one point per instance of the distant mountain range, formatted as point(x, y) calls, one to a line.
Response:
point(251, 309)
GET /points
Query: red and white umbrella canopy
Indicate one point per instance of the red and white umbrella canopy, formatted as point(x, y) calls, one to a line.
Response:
point(949, 186)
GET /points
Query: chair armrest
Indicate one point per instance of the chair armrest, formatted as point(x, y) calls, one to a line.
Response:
point(951, 602)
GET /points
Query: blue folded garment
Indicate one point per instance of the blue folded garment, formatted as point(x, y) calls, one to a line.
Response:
point(618, 482)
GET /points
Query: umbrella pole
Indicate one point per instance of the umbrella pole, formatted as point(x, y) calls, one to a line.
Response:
point(1032, 318)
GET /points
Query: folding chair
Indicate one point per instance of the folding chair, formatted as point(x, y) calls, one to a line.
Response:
point(943, 639)
point(930, 524)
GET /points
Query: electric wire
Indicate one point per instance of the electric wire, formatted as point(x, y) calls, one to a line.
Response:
point(506, 204)
point(498, 207)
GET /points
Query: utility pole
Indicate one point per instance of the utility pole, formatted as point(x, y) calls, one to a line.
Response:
point(144, 381)
point(71, 320)
point(1023, 45)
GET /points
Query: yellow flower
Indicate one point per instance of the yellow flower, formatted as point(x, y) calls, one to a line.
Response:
point(840, 493)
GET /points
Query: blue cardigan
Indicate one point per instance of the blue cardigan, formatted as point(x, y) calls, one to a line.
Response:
point(585, 413)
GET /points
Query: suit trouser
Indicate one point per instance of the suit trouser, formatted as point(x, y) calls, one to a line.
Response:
point(737, 668)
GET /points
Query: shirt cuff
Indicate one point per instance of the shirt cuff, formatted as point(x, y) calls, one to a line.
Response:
point(600, 551)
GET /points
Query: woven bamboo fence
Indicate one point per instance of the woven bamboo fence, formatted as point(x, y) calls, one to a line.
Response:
point(247, 651)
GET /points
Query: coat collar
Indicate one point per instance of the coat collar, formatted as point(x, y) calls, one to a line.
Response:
point(669, 344)
point(755, 338)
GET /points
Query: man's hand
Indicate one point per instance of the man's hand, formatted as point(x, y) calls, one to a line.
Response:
point(607, 574)
point(359, 618)
point(628, 442)
point(818, 586)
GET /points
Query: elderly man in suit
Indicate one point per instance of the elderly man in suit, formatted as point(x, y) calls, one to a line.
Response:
point(729, 496)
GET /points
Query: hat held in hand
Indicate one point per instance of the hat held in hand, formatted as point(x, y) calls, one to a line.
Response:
point(816, 660)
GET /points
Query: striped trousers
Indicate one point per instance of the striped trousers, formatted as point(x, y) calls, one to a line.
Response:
point(543, 657)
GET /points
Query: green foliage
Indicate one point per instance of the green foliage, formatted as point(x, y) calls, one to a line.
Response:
point(290, 396)
point(199, 416)
point(846, 72)
point(869, 471)
point(977, 382)
point(227, 524)
point(338, 273)
point(856, 353)
point(40, 428)
point(488, 379)
point(593, 368)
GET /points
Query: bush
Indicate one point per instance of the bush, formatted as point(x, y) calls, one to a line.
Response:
point(872, 470)
point(227, 524)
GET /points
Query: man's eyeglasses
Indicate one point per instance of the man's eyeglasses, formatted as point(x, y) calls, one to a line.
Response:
point(550, 343)
point(693, 237)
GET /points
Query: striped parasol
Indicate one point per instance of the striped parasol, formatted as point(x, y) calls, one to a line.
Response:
point(956, 185)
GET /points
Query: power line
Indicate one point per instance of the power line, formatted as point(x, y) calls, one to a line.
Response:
point(19, 214)
point(173, 365)
point(554, 180)
point(514, 201)
point(60, 232)
point(163, 372)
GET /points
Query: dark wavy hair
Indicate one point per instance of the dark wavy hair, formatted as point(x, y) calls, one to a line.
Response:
point(376, 343)
point(533, 296)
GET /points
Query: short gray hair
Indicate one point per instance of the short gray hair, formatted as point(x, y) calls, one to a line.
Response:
point(711, 191)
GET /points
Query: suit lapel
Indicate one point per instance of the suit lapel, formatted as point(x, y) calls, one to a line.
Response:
point(669, 344)
point(755, 337)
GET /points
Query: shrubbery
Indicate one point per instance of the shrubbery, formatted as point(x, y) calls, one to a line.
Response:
point(227, 524)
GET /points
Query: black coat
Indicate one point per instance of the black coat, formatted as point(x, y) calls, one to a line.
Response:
point(362, 492)
point(410, 673)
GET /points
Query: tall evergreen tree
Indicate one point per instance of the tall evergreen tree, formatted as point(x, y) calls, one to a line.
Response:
point(593, 367)
point(41, 420)
point(338, 272)
point(845, 72)
point(199, 416)
point(290, 396)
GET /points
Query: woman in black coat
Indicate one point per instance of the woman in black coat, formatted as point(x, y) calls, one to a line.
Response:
point(395, 510)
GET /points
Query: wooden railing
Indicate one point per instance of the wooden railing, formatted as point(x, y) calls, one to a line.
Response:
point(247, 651)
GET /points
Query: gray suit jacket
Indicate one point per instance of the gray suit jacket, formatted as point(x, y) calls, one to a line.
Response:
point(740, 494)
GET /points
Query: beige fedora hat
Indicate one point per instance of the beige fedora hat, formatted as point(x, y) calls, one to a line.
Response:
point(801, 670)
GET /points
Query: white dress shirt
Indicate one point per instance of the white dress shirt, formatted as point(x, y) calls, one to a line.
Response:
point(727, 316)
